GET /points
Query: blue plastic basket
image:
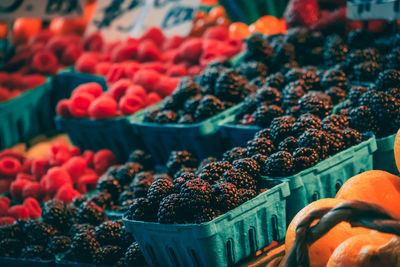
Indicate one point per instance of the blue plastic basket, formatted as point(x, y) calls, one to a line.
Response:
point(223, 241)
point(203, 139)
point(27, 115)
point(19, 262)
point(384, 156)
point(238, 135)
point(325, 179)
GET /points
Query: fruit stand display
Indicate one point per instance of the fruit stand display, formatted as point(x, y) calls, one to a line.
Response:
point(266, 135)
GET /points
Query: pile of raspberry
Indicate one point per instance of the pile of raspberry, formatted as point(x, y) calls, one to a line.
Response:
point(14, 84)
point(64, 174)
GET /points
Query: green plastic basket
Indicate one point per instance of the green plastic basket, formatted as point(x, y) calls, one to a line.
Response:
point(19, 262)
point(384, 155)
point(325, 179)
point(27, 115)
point(203, 139)
point(223, 241)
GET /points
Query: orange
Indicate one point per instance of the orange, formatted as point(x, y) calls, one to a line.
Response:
point(397, 150)
point(216, 12)
point(375, 186)
point(239, 30)
point(321, 250)
point(266, 25)
point(25, 28)
point(209, 2)
point(348, 253)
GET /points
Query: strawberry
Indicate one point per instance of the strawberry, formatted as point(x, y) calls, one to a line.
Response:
point(88, 156)
point(177, 70)
point(25, 176)
point(331, 19)
point(191, 49)
point(130, 68)
point(173, 42)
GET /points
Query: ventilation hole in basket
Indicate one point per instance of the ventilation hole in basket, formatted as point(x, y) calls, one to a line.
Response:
point(274, 223)
point(229, 252)
point(20, 128)
point(252, 241)
point(338, 186)
point(173, 257)
point(195, 259)
point(315, 196)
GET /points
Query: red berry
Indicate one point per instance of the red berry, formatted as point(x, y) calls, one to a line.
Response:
point(208, 56)
point(57, 45)
point(103, 107)
point(62, 108)
point(152, 98)
point(177, 70)
point(102, 68)
point(88, 156)
point(146, 78)
point(115, 73)
point(155, 65)
point(44, 62)
point(55, 178)
point(18, 212)
point(66, 194)
point(75, 151)
point(130, 68)
point(148, 51)
point(33, 189)
point(166, 85)
point(118, 89)
point(92, 88)
point(75, 166)
point(4, 204)
point(9, 166)
point(25, 176)
point(129, 104)
point(33, 207)
point(173, 42)
point(216, 32)
point(6, 220)
point(79, 104)
point(124, 51)
point(11, 153)
point(86, 63)
point(136, 90)
point(5, 185)
point(195, 70)
point(87, 182)
point(155, 34)
point(5, 94)
point(191, 49)
point(103, 159)
point(93, 42)
point(33, 81)
point(71, 54)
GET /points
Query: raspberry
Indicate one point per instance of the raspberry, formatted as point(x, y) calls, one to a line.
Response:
point(166, 85)
point(103, 159)
point(154, 65)
point(71, 54)
point(191, 49)
point(115, 73)
point(148, 51)
point(75, 166)
point(25, 176)
point(44, 62)
point(136, 90)
point(86, 63)
point(177, 70)
point(216, 32)
point(66, 193)
point(18, 212)
point(93, 42)
point(62, 109)
point(55, 178)
point(32, 81)
point(155, 34)
point(172, 42)
point(9, 166)
point(79, 104)
point(147, 78)
point(119, 88)
point(87, 182)
point(102, 68)
point(16, 188)
point(33, 207)
point(124, 51)
point(92, 88)
point(4, 205)
point(130, 104)
point(103, 107)
point(152, 98)
point(34, 190)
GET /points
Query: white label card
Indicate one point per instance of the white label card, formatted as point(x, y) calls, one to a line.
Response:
point(373, 9)
point(44, 9)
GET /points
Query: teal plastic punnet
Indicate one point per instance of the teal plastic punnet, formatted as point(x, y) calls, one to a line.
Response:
point(325, 179)
point(224, 241)
point(27, 115)
point(203, 139)
point(19, 262)
point(384, 156)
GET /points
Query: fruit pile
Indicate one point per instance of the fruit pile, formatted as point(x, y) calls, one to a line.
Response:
point(79, 231)
point(12, 85)
point(63, 175)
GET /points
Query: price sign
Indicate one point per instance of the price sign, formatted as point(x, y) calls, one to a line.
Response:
point(44, 9)
point(115, 19)
point(172, 16)
point(373, 9)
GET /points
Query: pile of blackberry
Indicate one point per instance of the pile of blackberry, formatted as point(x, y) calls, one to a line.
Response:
point(84, 236)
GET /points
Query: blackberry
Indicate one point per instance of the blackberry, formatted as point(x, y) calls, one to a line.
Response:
point(186, 119)
point(103, 200)
point(304, 158)
point(351, 137)
point(77, 201)
point(316, 103)
point(311, 80)
point(275, 80)
point(367, 71)
point(334, 137)
point(258, 49)
point(387, 79)
point(265, 114)
point(289, 144)
point(112, 170)
point(126, 173)
point(240, 179)
point(134, 256)
point(108, 255)
point(180, 159)
point(185, 89)
point(260, 145)
point(291, 94)
point(315, 56)
point(281, 127)
point(260, 159)
point(228, 86)
point(110, 185)
point(78, 228)
point(264, 133)
point(169, 104)
point(35, 252)
point(141, 184)
point(214, 171)
point(59, 244)
point(335, 53)
point(249, 166)
point(226, 196)
point(108, 233)
point(169, 210)
point(359, 38)
point(304, 122)
point(395, 92)
point(367, 98)
point(10, 247)
point(126, 238)
point(234, 154)
point(206, 161)
point(159, 189)
point(208, 106)
point(283, 53)
point(54, 213)
point(294, 74)
point(269, 96)
point(316, 139)
point(143, 158)
point(393, 59)
point(38, 233)
point(178, 182)
point(151, 114)
point(253, 69)
point(208, 77)
point(336, 94)
point(256, 83)
point(166, 116)
point(195, 195)
point(362, 119)
point(384, 106)
point(89, 212)
point(336, 120)
point(184, 172)
point(354, 57)
point(334, 77)
point(191, 104)
point(142, 210)
point(343, 108)
point(249, 106)
point(355, 93)
point(246, 194)
point(288, 66)
point(279, 164)
point(206, 215)
point(293, 111)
